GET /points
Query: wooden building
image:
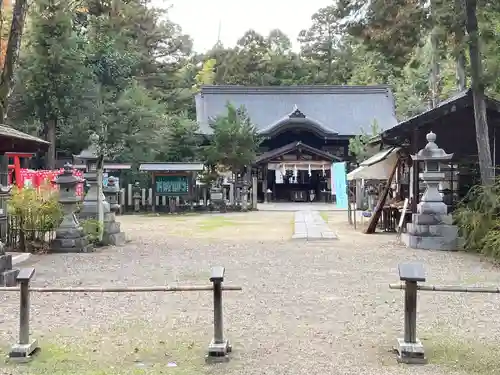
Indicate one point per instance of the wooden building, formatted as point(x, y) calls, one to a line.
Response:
point(453, 123)
point(305, 129)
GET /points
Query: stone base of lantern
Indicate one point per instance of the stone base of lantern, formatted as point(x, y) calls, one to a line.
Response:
point(112, 234)
point(7, 274)
point(431, 232)
point(78, 244)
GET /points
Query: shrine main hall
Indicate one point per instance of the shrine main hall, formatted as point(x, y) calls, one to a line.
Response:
point(304, 129)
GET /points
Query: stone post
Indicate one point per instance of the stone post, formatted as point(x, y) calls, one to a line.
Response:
point(254, 192)
point(90, 203)
point(431, 227)
point(244, 194)
point(70, 237)
point(136, 196)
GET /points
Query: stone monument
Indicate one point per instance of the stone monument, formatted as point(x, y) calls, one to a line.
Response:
point(70, 237)
point(431, 227)
point(95, 196)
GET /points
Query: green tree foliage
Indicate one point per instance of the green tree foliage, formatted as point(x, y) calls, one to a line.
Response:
point(358, 144)
point(54, 73)
point(123, 69)
point(477, 219)
point(234, 142)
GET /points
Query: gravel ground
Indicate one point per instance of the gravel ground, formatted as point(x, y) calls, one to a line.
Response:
point(307, 307)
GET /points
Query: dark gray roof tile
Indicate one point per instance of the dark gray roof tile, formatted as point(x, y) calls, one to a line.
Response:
point(341, 109)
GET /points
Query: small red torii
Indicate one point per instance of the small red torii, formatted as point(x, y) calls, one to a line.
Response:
point(15, 168)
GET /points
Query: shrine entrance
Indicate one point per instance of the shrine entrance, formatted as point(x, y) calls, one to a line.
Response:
point(294, 173)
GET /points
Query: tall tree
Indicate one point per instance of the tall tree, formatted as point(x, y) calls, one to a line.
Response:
point(482, 134)
point(54, 74)
point(319, 43)
point(11, 55)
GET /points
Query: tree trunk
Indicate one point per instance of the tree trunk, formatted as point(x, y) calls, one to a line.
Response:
point(482, 134)
point(461, 63)
point(459, 53)
point(434, 78)
point(51, 137)
point(11, 55)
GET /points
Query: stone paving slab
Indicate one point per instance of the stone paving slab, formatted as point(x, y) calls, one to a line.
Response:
point(309, 225)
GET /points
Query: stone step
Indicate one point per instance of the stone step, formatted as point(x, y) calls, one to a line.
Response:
point(430, 242)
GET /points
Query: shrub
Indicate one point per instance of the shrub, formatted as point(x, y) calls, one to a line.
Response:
point(33, 214)
point(477, 217)
point(93, 229)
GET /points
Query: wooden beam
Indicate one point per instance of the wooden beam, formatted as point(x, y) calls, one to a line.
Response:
point(381, 202)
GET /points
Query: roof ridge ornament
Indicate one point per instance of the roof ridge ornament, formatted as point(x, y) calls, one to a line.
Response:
point(296, 113)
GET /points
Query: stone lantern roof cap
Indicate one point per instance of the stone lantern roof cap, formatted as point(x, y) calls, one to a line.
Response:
point(67, 177)
point(431, 151)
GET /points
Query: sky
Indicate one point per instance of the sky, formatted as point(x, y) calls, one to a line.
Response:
point(200, 18)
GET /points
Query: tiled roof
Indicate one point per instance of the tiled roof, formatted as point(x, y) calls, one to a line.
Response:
point(8, 132)
point(343, 110)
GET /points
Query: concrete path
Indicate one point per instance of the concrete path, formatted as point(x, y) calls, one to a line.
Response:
point(309, 225)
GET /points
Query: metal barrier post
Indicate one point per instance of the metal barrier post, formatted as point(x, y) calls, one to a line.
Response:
point(409, 348)
point(24, 349)
point(219, 348)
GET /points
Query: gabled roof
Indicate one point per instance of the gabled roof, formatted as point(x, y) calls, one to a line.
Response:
point(277, 152)
point(294, 118)
point(343, 110)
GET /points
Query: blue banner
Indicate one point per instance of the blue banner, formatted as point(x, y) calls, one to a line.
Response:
point(339, 184)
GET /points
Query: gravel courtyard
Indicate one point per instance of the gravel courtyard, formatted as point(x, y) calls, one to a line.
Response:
point(311, 308)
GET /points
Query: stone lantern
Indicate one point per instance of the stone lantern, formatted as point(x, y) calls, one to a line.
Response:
point(111, 229)
point(90, 157)
point(136, 196)
point(70, 237)
point(112, 193)
point(431, 227)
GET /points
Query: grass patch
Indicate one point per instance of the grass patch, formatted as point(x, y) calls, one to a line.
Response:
point(467, 357)
point(115, 358)
point(216, 222)
point(324, 216)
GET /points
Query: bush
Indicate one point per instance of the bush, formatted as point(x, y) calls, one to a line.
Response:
point(93, 229)
point(33, 213)
point(477, 217)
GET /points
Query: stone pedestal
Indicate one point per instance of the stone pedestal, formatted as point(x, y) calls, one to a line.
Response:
point(112, 234)
point(70, 237)
point(431, 227)
point(431, 233)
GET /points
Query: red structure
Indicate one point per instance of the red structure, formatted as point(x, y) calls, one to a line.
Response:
point(15, 168)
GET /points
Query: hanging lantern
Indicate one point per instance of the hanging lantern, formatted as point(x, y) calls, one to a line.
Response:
point(323, 170)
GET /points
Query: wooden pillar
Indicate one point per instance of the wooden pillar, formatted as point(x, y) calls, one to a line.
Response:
point(153, 194)
point(264, 182)
point(4, 169)
point(415, 171)
point(254, 192)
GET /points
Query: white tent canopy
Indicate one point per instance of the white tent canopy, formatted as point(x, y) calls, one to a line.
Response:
point(378, 167)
